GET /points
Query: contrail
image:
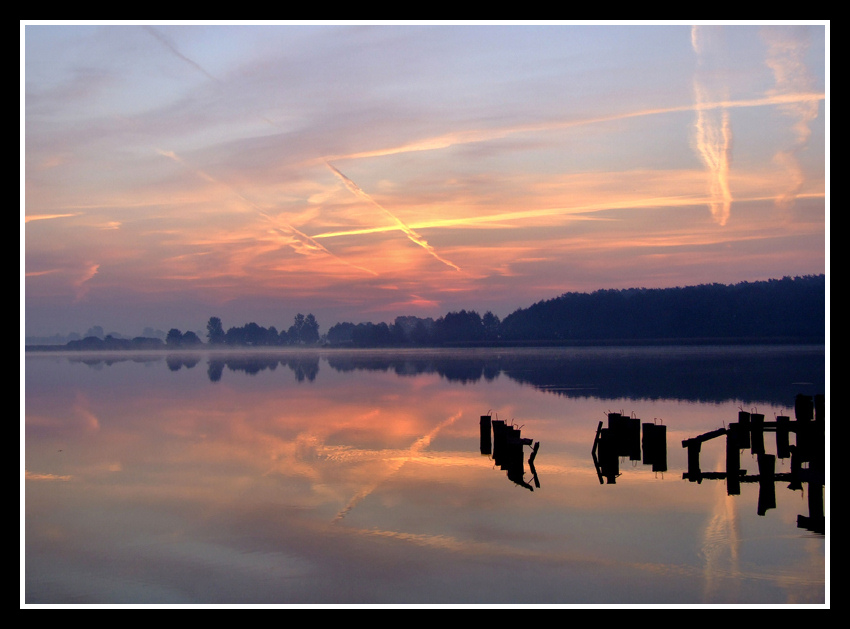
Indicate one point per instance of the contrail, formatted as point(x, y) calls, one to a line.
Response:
point(412, 235)
point(714, 146)
point(299, 240)
point(165, 42)
point(714, 143)
point(44, 217)
point(486, 135)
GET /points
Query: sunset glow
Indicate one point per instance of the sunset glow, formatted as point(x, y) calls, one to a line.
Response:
point(173, 172)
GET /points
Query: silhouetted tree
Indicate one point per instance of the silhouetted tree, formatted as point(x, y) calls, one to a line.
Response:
point(283, 338)
point(491, 326)
point(190, 339)
point(295, 329)
point(215, 331)
point(173, 338)
point(310, 331)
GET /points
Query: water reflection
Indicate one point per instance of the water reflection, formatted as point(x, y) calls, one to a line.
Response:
point(361, 477)
point(752, 374)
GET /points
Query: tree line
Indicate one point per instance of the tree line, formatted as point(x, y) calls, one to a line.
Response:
point(792, 309)
point(787, 309)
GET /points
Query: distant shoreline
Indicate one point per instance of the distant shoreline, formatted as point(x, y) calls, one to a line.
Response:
point(456, 345)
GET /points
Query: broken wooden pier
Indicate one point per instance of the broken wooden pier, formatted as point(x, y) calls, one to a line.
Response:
point(807, 456)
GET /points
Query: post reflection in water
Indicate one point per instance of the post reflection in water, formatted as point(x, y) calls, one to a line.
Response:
point(366, 477)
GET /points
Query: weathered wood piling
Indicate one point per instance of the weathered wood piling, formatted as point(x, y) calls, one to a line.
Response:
point(486, 442)
point(809, 447)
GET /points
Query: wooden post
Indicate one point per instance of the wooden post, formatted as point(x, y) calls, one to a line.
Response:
point(659, 436)
point(803, 407)
point(767, 487)
point(498, 439)
point(648, 443)
point(815, 521)
point(820, 407)
point(617, 434)
point(633, 438)
point(783, 445)
point(694, 473)
point(733, 460)
point(796, 469)
point(486, 443)
point(744, 429)
point(757, 433)
point(608, 458)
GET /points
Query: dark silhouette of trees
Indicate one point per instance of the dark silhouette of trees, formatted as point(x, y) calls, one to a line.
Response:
point(340, 333)
point(371, 335)
point(303, 331)
point(175, 338)
point(190, 339)
point(459, 327)
point(252, 335)
point(790, 308)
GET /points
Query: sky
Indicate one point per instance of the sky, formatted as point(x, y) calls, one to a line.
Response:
point(361, 171)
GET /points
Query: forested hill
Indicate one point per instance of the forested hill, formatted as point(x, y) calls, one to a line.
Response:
point(790, 309)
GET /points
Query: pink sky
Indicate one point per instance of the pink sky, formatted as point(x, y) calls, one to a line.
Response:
point(174, 172)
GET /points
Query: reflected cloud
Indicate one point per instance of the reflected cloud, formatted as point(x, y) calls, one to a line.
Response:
point(33, 476)
point(721, 546)
point(394, 465)
point(226, 482)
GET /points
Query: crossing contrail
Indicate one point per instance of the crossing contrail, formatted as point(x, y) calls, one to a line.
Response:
point(412, 235)
point(299, 241)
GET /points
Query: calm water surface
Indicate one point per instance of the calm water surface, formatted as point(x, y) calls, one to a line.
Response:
point(358, 477)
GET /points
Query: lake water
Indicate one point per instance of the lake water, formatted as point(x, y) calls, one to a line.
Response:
point(357, 477)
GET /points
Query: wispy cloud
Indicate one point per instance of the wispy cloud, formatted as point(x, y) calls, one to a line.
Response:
point(785, 57)
point(81, 282)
